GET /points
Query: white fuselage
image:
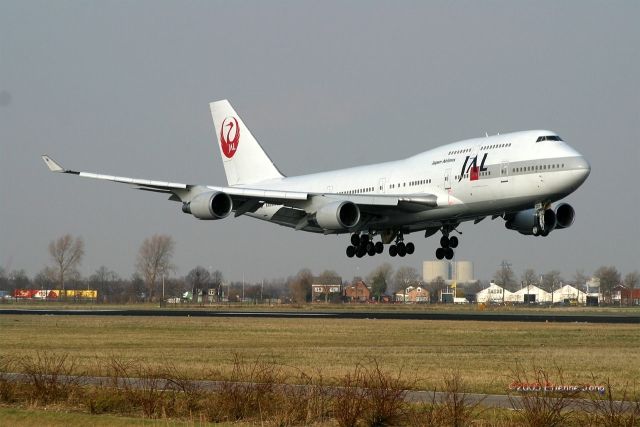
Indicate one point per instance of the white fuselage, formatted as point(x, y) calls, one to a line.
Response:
point(472, 179)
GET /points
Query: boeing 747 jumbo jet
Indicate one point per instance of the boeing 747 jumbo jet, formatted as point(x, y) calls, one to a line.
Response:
point(514, 176)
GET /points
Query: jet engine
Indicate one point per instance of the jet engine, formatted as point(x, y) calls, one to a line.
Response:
point(528, 223)
point(338, 215)
point(565, 215)
point(211, 205)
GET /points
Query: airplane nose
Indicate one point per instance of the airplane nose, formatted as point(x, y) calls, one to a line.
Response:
point(584, 166)
point(582, 171)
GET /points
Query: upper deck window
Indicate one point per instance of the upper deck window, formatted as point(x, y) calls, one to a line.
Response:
point(549, 138)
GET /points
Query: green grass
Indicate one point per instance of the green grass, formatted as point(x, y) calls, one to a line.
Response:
point(483, 352)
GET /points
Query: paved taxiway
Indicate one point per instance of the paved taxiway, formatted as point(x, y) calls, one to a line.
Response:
point(492, 317)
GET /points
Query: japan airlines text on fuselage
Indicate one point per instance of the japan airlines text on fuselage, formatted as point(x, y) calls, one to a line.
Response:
point(515, 176)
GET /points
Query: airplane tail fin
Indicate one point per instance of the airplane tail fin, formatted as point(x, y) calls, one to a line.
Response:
point(244, 160)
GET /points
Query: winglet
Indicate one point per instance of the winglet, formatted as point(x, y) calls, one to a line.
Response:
point(51, 164)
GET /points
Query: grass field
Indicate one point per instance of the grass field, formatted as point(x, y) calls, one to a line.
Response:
point(485, 353)
point(398, 307)
point(38, 417)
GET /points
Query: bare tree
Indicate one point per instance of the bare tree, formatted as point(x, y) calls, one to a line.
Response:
point(66, 252)
point(631, 280)
point(609, 279)
point(580, 279)
point(505, 277)
point(529, 277)
point(329, 276)
point(300, 286)
point(435, 287)
point(154, 260)
point(106, 282)
point(198, 279)
point(44, 278)
point(405, 276)
point(551, 280)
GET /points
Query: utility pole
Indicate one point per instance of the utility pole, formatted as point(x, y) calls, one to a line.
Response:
point(162, 302)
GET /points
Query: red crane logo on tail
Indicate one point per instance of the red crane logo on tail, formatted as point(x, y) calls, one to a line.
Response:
point(229, 136)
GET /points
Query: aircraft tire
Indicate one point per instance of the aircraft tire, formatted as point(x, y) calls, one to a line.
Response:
point(402, 250)
point(379, 247)
point(440, 253)
point(444, 242)
point(351, 251)
point(410, 247)
point(393, 251)
point(355, 239)
point(448, 253)
point(453, 242)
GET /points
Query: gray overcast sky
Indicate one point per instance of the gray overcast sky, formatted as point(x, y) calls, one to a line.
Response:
point(123, 87)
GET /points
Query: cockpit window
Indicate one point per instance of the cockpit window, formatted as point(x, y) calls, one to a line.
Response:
point(549, 138)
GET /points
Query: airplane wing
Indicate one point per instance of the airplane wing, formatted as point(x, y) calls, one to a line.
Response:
point(250, 199)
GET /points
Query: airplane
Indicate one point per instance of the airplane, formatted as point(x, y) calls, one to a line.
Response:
point(514, 176)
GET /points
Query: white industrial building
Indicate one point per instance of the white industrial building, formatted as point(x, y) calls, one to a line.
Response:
point(568, 293)
point(531, 294)
point(494, 294)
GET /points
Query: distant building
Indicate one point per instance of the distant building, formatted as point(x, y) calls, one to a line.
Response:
point(356, 292)
point(531, 294)
point(431, 270)
point(449, 271)
point(569, 294)
point(413, 294)
point(625, 296)
point(494, 294)
point(326, 289)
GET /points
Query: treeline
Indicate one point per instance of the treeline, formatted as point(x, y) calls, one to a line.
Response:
point(154, 270)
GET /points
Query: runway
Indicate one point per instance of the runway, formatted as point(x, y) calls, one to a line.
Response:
point(406, 315)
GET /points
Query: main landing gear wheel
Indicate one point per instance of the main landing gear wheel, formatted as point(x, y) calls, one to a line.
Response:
point(363, 244)
point(402, 250)
point(393, 251)
point(447, 244)
point(448, 253)
point(351, 251)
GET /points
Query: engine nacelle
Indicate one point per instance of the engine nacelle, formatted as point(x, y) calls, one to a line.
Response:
point(338, 215)
point(565, 214)
point(213, 205)
point(524, 222)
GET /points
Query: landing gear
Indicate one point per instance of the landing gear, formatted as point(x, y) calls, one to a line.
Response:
point(401, 248)
point(447, 244)
point(362, 244)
